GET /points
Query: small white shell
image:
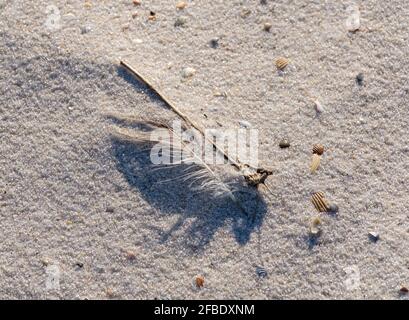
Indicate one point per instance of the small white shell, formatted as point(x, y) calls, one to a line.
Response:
point(353, 22)
point(245, 124)
point(318, 106)
point(316, 159)
point(188, 72)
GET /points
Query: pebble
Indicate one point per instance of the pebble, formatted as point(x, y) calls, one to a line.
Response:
point(214, 42)
point(188, 72)
point(360, 79)
point(136, 2)
point(79, 265)
point(373, 236)
point(284, 144)
point(180, 21)
point(267, 26)
point(244, 124)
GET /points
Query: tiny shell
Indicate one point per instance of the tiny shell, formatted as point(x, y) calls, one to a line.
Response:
point(318, 106)
point(281, 63)
point(373, 236)
point(314, 228)
point(318, 149)
point(316, 159)
point(188, 72)
point(267, 26)
point(181, 5)
point(353, 22)
point(319, 202)
point(152, 16)
point(261, 272)
point(284, 144)
point(199, 281)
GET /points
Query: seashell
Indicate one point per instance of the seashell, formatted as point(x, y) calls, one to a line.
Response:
point(199, 281)
point(284, 144)
point(316, 159)
point(353, 22)
point(181, 5)
point(152, 16)
point(318, 107)
point(373, 236)
point(319, 202)
point(267, 26)
point(188, 72)
point(315, 226)
point(281, 63)
point(318, 149)
point(261, 272)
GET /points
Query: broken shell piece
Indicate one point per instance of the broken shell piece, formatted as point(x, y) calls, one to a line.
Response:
point(245, 124)
point(316, 159)
point(180, 21)
point(318, 149)
point(188, 72)
point(199, 281)
point(318, 107)
point(281, 63)
point(319, 202)
point(373, 236)
point(181, 5)
point(245, 12)
point(152, 16)
point(315, 227)
point(353, 22)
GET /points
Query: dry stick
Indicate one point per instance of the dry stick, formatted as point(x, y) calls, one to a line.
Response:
point(141, 78)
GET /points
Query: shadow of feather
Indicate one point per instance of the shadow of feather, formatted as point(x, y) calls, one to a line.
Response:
point(200, 212)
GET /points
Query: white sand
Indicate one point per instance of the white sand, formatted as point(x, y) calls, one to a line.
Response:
point(70, 195)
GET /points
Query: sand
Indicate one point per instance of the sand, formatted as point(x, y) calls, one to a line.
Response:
point(82, 218)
